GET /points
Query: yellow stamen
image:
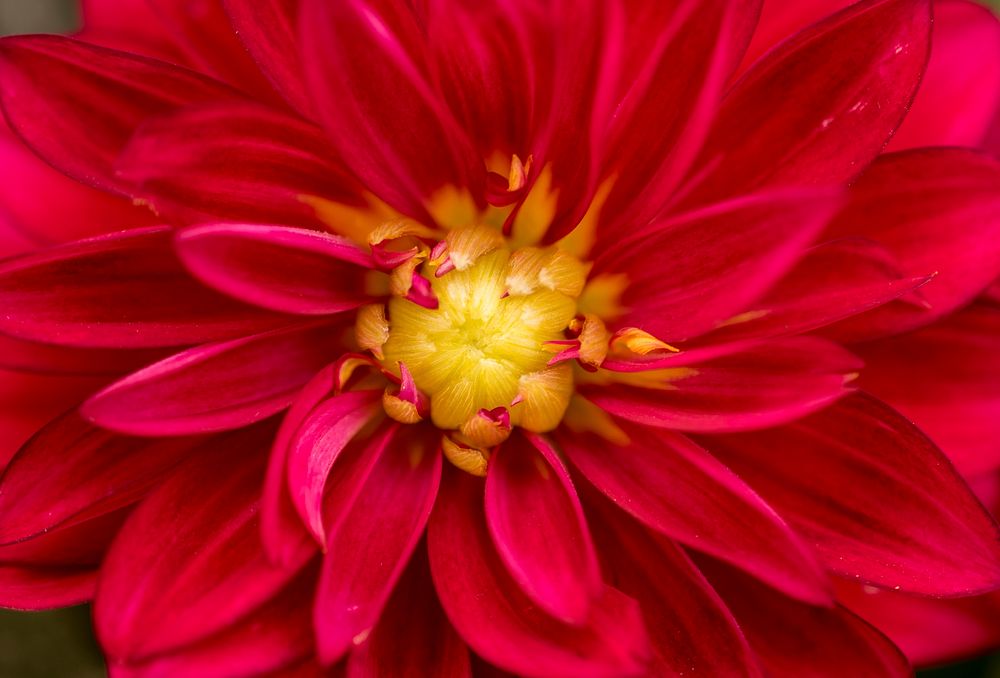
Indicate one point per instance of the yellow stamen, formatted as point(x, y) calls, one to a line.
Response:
point(469, 459)
point(640, 341)
point(371, 330)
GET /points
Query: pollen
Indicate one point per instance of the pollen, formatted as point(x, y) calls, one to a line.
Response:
point(476, 344)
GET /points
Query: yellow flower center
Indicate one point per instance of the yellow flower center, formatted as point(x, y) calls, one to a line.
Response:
point(477, 346)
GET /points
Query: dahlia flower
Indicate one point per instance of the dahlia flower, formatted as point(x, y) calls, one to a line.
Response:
point(445, 338)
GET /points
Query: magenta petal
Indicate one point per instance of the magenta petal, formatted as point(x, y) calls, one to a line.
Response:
point(57, 568)
point(71, 471)
point(829, 475)
point(400, 648)
point(216, 386)
point(278, 267)
point(753, 241)
point(272, 638)
point(765, 384)
point(832, 281)
point(38, 358)
point(960, 92)
point(958, 355)
point(820, 107)
point(233, 161)
point(282, 530)
point(382, 112)
point(76, 104)
point(268, 29)
point(691, 628)
point(538, 527)
point(321, 437)
point(473, 586)
point(937, 211)
point(154, 596)
point(124, 290)
point(792, 639)
point(359, 572)
point(677, 488)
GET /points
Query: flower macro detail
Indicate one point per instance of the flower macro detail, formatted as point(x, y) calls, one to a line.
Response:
point(561, 339)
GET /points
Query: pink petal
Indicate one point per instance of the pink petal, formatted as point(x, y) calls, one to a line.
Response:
point(691, 628)
point(539, 530)
point(233, 161)
point(71, 471)
point(822, 105)
point(473, 586)
point(282, 530)
point(57, 568)
point(69, 211)
point(764, 385)
point(320, 438)
point(958, 355)
point(268, 30)
point(792, 639)
point(830, 475)
point(29, 356)
point(189, 562)
point(929, 631)
point(359, 572)
point(272, 638)
point(960, 92)
point(677, 488)
point(278, 267)
point(216, 386)
point(666, 112)
point(129, 25)
point(753, 242)
point(780, 20)
point(833, 281)
point(397, 647)
point(76, 105)
point(205, 36)
point(372, 107)
point(937, 211)
point(124, 290)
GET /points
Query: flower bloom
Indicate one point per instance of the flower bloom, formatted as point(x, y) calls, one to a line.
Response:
point(453, 338)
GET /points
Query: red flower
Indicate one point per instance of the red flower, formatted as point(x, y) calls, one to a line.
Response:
point(620, 260)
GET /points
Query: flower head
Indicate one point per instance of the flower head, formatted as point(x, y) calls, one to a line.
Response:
point(536, 323)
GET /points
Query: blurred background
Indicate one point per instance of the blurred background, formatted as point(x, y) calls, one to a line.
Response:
point(60, 643)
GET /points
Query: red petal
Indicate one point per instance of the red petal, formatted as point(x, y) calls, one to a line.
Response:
point(689, 274)
point(792, 639)
point(765, 384)
point(957, 358)
point(399, 648)
point(57, 568)
point(360, 572)
point(929, 631)
point(216, 386)
point(32, 357)
point(275, 637)
point(49, 207)
point(206, 38)
point(691, 629)
point(382, 112)
point(677, 488)
point(189, 562)
point(278, 267)
point(830, 475)
point(539, 530)
point(233, 161)
point(821, 106)
point(268, 30)
point(960, 92)
point(833, 281)
point(124, 290)
point(71, 471)
point(473, 586)
point(320, 438)
point(76, 105)
point(937, 211)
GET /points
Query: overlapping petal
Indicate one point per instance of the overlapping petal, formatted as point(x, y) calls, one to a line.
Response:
point(831, 474)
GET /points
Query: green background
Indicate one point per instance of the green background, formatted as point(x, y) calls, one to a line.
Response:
point(60, 643)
